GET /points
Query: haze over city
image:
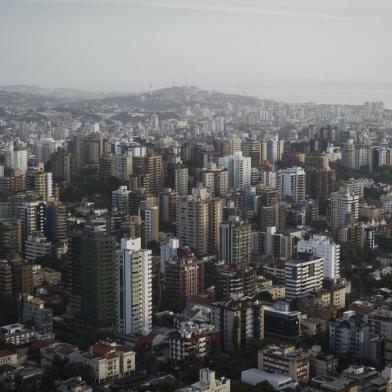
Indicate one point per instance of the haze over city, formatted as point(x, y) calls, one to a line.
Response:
point(323, 51)
point(195, 196)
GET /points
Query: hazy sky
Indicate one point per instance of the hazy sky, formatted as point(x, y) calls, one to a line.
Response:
point(324, 50)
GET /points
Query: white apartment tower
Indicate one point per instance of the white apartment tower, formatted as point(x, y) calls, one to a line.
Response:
point(16, 156)
point(323, 246)
point(120, 198)
point(344, 207)
point(168, 251)
point(239, 168)
point(303, 277)
point(181, 179)
point(134, 288)
point(123, 166)
point(291, 183)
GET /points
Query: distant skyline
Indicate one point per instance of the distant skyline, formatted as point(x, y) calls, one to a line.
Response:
point(333, 51)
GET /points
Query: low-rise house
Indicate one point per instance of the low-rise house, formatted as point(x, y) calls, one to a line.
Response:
point(278, 382)
point(74, 384)
point(8, 358)
point(362, 376)
point(57, 350)
point(107, 360)
point(208, 383)
point(321, 364)
point(17, 334)
point(334, 384)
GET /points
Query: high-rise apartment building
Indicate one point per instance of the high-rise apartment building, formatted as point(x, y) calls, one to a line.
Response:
point(274, 148)
point(215, 178)
point(325, 247)
point(105, 166)
point(16, 156)
point(12, 181)
point(97, 278)
point(181, 179)
point(154, 173)
point(168, 251)
point(87, 149)
point(150, 216)
point(239, 169)
point(133, 288)
point(303, 275)
point(16, 276)
point(198, 218)
point(184, 275)
point(234, 145)
point(273, 215)
point(120, 199)
point(256, 150)
point(291, 184)
point(60, 165)
point(55, 227)
point(239, 321)
point(40, 181)
point(32, 218)
point(235, 242)
point(344, 207)
point(168, 206)
point(234, 283)
point(45, 147)
point(123, 167)
point(10, 237)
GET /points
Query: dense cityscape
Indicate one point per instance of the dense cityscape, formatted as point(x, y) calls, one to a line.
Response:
point(194, 241)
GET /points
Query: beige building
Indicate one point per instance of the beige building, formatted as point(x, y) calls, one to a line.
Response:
point(215, 178)
point(198, 219)
point(107, 360)
point(8, 358)
point(286, 360)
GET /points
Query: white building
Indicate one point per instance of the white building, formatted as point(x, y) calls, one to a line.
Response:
point(168, 251)
point(274, 149)
point(291, 183)
point(107, 361)
point(268, 178)
point(36, 246)
point(32, 218)
point(120, 198)
point(134, 288)
point(239, 168)
point(16, 156)
point(344, 207)
point(303, 277)
point(45, 147)
point(123, 166)
point(279, 382)
point(323, 246)
point(181, 179)
point(208, 383)
point(16, 334)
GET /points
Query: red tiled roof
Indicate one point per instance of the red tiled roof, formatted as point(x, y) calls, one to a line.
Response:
point(5, 353)
point(43, 343)
point(100, 349)
point(65, 350)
